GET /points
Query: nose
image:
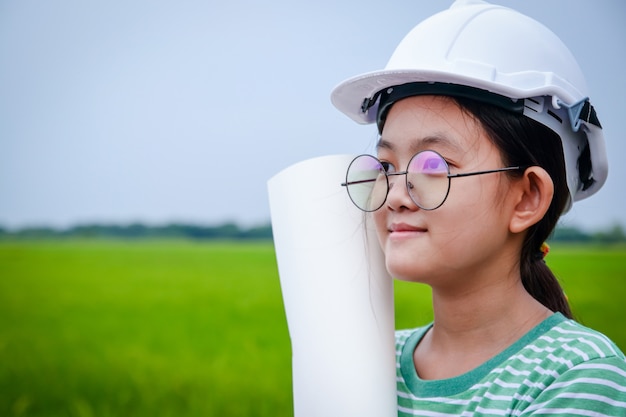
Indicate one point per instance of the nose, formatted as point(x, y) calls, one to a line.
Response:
point(398, 196)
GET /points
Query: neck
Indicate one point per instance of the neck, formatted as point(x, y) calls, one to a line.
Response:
point(488, 298)
point(469, 329)
point(478, 313)
point(481, 311)
point(487, 314)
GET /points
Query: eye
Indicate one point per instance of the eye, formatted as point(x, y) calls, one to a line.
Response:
point(388, 167)
point(434, 164)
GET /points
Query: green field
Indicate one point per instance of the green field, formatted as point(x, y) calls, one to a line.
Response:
point(176, 328)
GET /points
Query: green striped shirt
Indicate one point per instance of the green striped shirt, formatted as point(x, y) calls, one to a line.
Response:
point(558, 368)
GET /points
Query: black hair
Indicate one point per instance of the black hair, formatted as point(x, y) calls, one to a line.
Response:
point(523, 141)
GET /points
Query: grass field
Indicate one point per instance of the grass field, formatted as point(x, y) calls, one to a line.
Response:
point(175, 328)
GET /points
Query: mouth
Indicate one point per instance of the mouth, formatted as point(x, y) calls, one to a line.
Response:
point(403, 229)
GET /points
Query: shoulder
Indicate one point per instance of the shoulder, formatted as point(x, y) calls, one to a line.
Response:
point(578, 343)
point(406, 341)
point(565, 346)
point(581, 370)
point(410, 335)
point(596, 386)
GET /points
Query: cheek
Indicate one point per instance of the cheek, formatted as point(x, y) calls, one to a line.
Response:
point(475, 197)
point(474, 214)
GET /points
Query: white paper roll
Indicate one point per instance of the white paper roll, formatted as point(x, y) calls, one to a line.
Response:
point(337, 293)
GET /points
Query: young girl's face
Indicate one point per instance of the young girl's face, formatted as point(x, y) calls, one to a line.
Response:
point(468, 234)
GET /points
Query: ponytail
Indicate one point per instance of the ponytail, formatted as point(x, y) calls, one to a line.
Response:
point(523, 141)
point(541, 283)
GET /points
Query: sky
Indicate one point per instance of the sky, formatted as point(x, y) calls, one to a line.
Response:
point(161, 111)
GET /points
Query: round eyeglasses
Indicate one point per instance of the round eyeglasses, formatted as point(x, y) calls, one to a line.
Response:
point(427, 180)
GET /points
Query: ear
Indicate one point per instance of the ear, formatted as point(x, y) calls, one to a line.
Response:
point(533, 196)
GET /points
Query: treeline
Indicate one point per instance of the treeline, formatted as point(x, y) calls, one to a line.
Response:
point(228, 231)
point(613, 234)
point(231, 231)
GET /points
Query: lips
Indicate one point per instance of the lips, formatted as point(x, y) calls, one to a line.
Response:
point(405, 228)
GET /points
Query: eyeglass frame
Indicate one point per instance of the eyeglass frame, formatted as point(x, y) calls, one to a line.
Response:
point(449, 176)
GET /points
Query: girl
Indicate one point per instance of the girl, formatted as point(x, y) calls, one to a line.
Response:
point(486, 138)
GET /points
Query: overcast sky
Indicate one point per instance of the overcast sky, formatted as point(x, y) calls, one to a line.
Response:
point(160, 111)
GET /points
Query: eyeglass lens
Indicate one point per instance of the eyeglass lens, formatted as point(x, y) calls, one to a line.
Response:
point(427, 181)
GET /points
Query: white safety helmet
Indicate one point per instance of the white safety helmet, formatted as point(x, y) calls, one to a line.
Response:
point(498, 55)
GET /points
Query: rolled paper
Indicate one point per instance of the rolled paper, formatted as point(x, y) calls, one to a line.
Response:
point(337, 294)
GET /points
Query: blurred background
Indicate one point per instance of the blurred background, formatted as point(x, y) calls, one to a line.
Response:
point(164, 120)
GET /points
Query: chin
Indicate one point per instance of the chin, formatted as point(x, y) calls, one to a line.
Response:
point(407, 271)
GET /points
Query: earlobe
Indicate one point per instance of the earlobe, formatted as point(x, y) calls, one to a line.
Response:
point(533, 193)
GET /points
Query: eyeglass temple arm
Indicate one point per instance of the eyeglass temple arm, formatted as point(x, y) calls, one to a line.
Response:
point(345, 184)
point(389, 174)
point(469, 174)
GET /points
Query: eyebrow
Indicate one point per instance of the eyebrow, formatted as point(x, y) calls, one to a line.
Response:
point(423, 143)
